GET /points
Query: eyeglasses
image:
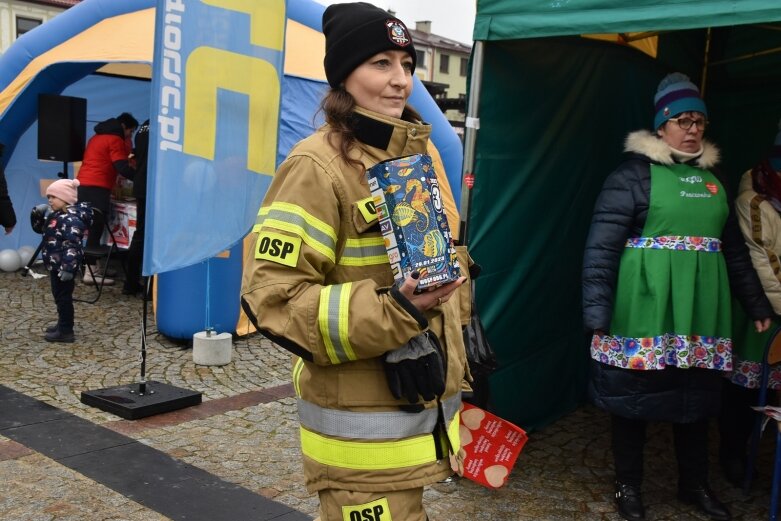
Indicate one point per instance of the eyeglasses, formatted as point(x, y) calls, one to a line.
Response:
point(686, 123)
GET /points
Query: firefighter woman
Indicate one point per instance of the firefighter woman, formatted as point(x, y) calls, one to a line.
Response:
point(378, 367)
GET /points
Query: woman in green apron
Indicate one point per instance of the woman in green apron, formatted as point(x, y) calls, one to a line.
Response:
point(757, 208)
point(662, 252)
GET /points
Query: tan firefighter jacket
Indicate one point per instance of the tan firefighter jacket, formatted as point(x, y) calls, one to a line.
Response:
point(761, 227)
point(317, 283)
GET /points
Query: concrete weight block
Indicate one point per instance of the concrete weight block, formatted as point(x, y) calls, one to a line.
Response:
point(211, 348)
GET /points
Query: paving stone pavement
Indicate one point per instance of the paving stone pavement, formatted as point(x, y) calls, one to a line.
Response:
point(245, 432)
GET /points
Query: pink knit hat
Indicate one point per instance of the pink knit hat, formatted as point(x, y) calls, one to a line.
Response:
point(64, 189)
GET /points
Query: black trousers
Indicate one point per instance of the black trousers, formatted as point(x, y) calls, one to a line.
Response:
point(691, 451)
point(135, 254)
point(736, 420)
point(100, 198)
point(63, 298)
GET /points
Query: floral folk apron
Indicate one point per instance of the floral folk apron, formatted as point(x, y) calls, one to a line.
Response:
point(672, 304)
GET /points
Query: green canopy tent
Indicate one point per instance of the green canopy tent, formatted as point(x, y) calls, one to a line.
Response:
point(548, 112)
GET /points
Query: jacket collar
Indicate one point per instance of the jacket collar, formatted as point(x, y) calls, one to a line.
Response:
point(645, 143)
point(395, 136)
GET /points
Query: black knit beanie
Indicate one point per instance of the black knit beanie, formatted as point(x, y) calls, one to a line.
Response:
point(355, 32)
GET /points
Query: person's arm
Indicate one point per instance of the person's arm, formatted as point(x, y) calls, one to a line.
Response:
point(743, 279)
point(7, 214)
point(124, 169)
point(615, 212)
point(119, 158)
point(283, 288)
point(760, 225)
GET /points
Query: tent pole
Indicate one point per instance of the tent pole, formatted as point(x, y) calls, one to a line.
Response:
point(705, 64)
point(471, 126)
point(743, 57)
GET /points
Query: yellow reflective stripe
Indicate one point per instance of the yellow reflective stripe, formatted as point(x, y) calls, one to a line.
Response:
point(310, 219)
point(333, 319)
point(344, 321)
point(308, 239)
point(294, 219)
point(454, 433)
point(262, 213)
point(297, 368)
point(322, 319)
point(364, 252)
point(368, 455)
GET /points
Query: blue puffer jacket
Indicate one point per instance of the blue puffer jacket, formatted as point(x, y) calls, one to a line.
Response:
point(63, 235)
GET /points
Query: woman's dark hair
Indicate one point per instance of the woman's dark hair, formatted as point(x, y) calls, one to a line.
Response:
point(128, 120)
point(338, 106)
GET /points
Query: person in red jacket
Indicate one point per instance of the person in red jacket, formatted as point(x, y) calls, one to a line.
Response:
point(107, 154)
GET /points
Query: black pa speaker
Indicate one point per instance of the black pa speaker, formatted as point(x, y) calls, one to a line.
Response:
point(62, 127)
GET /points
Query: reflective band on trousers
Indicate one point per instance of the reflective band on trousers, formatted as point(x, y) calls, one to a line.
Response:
point(676, 242)
point(374, 425)
point(375, 455)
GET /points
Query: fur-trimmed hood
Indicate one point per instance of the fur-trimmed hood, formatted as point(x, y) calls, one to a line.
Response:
point(645, 143)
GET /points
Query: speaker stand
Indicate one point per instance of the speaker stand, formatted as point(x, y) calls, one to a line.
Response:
point(28, 268)
point(136, 401)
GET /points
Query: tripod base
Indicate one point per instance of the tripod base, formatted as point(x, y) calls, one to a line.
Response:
point(126, 402)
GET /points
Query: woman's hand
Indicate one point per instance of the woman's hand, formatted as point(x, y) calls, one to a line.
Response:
point(429, 298)
point(762, 325)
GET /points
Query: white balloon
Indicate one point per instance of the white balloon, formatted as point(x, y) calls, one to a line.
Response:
point(10, 260)
point(25, 254)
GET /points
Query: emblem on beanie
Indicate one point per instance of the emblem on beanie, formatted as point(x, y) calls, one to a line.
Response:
point(667, 112)
point(397, 33)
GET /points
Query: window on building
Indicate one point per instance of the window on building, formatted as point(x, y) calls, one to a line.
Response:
point(464, 65)
point(421, 59)
point(26, 24)
point(444, 63)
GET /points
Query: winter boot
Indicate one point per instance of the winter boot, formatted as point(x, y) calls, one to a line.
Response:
point(60, 336)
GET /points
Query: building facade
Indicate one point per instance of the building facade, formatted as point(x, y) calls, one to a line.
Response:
point(19, 16)
point(442, 66)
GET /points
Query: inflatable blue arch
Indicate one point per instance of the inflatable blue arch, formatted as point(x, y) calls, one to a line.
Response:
point(102, 50)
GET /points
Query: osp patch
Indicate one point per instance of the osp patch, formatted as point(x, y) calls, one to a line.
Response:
point(377, 510)
point(275, 247)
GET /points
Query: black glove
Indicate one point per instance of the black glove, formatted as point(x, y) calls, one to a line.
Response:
point(416, 369)
point(65, 276)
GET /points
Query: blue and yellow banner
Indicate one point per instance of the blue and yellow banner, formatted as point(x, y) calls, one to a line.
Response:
point(216, 91)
